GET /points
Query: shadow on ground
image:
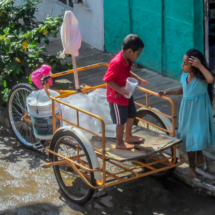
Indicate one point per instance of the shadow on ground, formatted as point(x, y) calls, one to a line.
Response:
point(34, 209)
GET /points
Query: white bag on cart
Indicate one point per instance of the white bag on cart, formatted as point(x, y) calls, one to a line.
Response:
point(80, 101)
point(95, 102)
point(100, 106)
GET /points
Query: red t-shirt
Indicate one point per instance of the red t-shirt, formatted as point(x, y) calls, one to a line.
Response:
point(118, 71)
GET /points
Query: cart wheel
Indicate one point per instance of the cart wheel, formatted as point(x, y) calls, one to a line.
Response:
point(68, 144)
point(155, 119)
point(16, 109)
point(150, 117)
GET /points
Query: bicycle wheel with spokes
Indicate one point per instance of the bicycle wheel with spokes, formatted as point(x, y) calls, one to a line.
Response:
point(68, 144)
point(17, 108)
point(151, 117)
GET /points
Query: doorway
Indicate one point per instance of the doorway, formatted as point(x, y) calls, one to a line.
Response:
point(209, 11)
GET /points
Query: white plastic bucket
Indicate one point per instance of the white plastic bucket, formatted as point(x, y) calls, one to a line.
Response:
point(131, 84)
point(40, 109)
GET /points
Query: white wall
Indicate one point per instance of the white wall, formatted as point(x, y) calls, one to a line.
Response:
point(91, 22)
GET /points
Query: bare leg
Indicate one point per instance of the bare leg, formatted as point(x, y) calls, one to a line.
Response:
point(200, 159)
point(120, 144)
point(191, 157)
point(128, 128)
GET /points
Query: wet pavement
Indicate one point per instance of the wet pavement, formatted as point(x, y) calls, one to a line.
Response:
point(27, 187)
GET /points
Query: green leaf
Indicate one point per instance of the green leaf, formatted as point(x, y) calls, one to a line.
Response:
point(6, 93)
point(18, 70)
point(8, 45)
point(41, 60)
point(6, 31)
point(10, 36)
point(30, 80)
point(4, 83)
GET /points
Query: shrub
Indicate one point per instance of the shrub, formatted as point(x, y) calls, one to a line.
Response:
point(23, 44)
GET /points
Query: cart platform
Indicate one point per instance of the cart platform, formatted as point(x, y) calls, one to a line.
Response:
point(153, 142)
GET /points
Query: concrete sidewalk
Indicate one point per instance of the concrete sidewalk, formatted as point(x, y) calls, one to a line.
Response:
point(88, 56)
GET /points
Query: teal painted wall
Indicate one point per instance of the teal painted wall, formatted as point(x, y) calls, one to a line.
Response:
point(168, 28)
point(117, 24)
point(146, 21)
point(178, 35)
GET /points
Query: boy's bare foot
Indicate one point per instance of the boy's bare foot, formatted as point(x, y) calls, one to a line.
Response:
point(134, 139)
point(191, 174)
point(124, 145)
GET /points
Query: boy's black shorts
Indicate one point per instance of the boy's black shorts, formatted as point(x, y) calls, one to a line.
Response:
point(120, 114)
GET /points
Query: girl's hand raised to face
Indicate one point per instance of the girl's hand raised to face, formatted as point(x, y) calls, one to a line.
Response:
point(195, 62)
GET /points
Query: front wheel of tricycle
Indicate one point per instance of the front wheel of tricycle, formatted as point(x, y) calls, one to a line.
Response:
point(17, 109)
point(162, 122)
point(69, 145)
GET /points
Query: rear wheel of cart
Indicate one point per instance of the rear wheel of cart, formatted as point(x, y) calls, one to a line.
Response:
point(68, 144)
point(155, 119)
point(17, 108)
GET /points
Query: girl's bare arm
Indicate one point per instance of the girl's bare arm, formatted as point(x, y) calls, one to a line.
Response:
point(208, 76)
point(178, 91)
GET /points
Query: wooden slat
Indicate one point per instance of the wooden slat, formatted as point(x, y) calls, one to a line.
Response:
point(153, 143)
point(113, 153)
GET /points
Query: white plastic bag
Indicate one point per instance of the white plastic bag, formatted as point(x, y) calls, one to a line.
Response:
point(82, 102)
point(96, 103)
point(100, 107)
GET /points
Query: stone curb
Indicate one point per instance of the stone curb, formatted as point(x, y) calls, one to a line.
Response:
point(204, 183)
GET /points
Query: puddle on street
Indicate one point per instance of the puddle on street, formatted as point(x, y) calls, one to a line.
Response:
point(22, 178)
point(4, 175)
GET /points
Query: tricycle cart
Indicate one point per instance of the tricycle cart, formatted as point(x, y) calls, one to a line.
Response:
point(81, 165)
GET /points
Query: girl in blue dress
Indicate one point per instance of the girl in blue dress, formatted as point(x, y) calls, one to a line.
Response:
point(196, 126)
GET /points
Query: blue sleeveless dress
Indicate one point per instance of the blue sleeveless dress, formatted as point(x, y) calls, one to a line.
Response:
point(196, 125)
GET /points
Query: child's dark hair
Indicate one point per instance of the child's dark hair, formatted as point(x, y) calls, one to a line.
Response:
point(198, 74)
point(133, 42)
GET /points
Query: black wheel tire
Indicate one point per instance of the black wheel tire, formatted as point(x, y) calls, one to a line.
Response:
point(28, 89)
point(141, 114)
point(57, 173)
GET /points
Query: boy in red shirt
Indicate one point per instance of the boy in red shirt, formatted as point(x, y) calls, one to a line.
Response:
point(123, 110)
